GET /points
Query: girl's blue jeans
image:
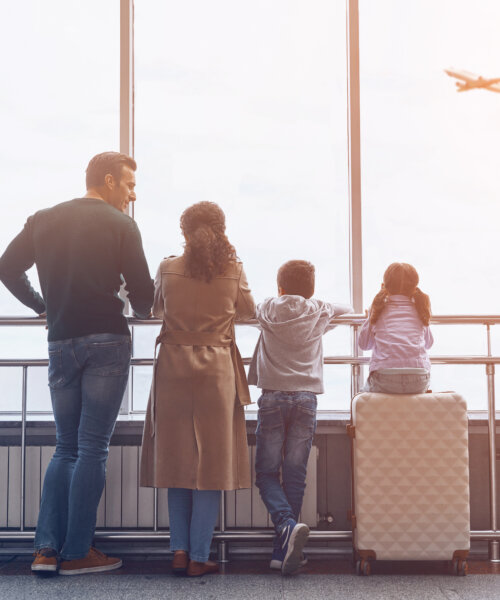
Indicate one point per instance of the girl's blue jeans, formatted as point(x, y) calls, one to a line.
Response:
point(193, 514)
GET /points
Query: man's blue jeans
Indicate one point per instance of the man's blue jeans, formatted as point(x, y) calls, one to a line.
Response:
point(87, 379)
point(285, 429)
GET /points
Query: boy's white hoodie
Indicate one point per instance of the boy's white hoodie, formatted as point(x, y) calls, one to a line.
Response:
point(289, 353)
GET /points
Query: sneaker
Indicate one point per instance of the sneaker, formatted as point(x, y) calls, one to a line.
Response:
point(94, 562)
point(292, 539)
point(277, 559)
point(45, 561)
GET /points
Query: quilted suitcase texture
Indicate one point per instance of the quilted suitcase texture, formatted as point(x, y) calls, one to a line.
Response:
point(410, 478)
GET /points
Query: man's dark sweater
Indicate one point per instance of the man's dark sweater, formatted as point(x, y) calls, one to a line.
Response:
point(81, 249)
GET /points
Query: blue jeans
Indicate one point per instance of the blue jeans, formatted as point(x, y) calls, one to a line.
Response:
point(398, 381)
point(193, 514)
point(285, 429)
point(87, 379)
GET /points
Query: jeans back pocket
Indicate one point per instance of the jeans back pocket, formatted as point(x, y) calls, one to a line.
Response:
point(108, 358)
point(56, 372)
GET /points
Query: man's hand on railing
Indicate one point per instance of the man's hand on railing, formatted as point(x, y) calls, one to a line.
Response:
point(143, 318)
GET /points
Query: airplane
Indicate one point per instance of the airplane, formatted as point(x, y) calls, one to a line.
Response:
point(473, 81)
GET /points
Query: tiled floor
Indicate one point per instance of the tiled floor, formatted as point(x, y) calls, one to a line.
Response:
point(322, 579)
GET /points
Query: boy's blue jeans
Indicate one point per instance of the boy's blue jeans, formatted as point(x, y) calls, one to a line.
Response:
point(87, 379)
point(285, 429)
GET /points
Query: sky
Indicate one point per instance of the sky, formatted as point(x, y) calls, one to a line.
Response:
point(245, 104)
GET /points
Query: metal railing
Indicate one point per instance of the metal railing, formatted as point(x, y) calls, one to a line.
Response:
point(223, 535)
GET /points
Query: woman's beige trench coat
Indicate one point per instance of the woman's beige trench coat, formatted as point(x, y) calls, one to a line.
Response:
point(194, 433)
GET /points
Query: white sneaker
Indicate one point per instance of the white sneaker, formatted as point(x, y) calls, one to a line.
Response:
point(276, 563)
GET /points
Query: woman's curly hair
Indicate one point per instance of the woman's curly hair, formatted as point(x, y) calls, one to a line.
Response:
point(207, 250)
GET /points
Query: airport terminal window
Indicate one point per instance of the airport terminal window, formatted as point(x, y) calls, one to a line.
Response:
point(59, 106)
point(244, 104)
point(430, 174)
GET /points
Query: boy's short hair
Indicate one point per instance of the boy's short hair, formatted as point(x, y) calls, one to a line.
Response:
point(296, 277)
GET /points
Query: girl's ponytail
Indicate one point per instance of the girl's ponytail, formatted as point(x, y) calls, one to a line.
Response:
point(423, 305)
point(378, 306)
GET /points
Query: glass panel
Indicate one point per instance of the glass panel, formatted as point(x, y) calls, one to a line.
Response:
point(60, 106)
point(430, 174)
point(11, 384)
point(337, 396)
point(141, 387)
point(144, 340)
point(38, 390)
point(495, 341)
point(467, 380)
point(459, 340)
point(23, 342)
point(337, 342)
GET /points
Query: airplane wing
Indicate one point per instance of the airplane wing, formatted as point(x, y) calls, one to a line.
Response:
point(463, 75)
point(494, 88)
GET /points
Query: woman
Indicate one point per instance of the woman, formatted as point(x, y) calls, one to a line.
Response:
point(194, 440)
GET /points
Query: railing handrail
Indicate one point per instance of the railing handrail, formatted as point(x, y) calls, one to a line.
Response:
point(453, 359)
point(351, 319)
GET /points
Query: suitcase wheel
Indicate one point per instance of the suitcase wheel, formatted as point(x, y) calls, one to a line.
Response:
point(460, 567)
point(363, 567)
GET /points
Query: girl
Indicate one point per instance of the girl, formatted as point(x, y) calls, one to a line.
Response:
point(397, 330)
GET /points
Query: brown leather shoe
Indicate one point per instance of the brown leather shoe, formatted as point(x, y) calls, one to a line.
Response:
point(180, 562)
point(45, 561)
point(197, 569)
point(95, 562)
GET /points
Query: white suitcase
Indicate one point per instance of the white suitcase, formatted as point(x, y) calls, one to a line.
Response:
point(410, 478)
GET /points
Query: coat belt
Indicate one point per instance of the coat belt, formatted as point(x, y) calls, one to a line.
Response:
point(203, 338)
point(194, 338)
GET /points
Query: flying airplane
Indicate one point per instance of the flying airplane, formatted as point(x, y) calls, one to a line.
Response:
point(470, 81)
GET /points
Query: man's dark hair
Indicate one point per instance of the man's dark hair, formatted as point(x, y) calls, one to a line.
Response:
point(296, 277)
point(107, 163)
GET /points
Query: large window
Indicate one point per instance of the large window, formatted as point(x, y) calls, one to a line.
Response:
point(244, 104)
point(59, 106)
point(430, 175)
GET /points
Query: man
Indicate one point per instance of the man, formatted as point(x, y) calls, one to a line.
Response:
point(82, 249)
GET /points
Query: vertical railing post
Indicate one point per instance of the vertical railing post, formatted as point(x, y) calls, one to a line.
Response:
point(355, 368)
point(24, 400)
point(222, 544)
point(127, 128)
point(493, 545)
point(354, 156)
point(155, 509)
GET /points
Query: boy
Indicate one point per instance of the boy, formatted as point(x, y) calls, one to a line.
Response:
point(288, 366)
